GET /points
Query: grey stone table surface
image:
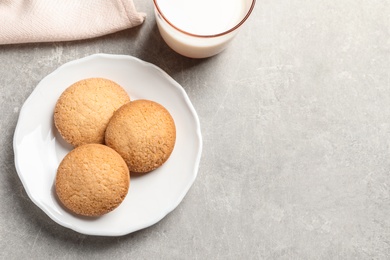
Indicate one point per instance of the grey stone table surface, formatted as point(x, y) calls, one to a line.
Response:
point(295, 118)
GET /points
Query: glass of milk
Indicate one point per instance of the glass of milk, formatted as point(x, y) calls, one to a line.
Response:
point(200, 28)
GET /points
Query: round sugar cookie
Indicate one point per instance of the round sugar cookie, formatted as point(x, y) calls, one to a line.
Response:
point(92, 180)
point(83, 110)
point(143, 132)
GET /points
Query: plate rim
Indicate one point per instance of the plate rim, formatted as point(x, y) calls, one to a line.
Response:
point(23, 114)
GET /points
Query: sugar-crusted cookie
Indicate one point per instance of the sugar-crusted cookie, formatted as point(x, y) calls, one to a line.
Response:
point(92, 180)
point(84, 109)
point(143, 132)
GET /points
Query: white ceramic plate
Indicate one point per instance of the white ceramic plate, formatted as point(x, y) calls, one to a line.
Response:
point(39, 148)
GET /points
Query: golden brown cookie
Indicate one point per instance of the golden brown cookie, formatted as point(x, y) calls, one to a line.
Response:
point(92, 180)
point(83, 110)
point(143, 133)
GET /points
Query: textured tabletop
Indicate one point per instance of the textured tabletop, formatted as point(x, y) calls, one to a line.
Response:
point(295, 119)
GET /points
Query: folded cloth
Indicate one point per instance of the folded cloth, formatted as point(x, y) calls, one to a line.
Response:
point(23, 21)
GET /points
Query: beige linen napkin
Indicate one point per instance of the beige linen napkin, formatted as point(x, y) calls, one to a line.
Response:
point(23, 21)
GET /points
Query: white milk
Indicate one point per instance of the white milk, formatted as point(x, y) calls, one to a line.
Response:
point(200, 17)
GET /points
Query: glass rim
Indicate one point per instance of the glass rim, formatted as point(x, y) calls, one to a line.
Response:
point(208, 35)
